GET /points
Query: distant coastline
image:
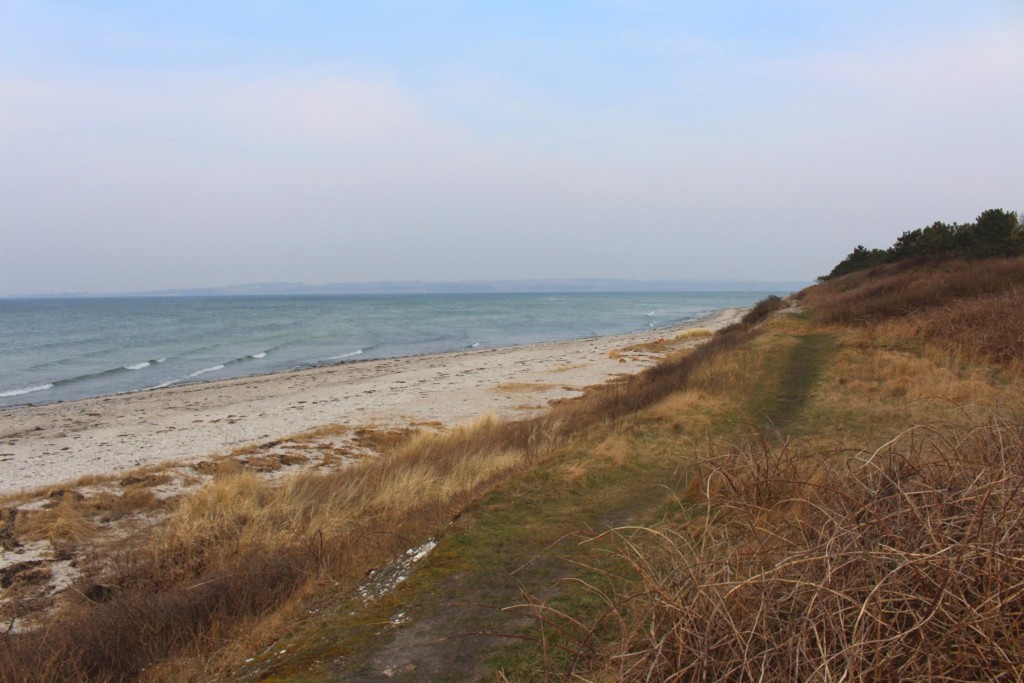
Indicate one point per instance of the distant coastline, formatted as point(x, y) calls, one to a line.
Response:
point(552, 286)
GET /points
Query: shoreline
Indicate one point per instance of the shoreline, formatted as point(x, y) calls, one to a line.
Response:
point(322, 365)
point(48, 443)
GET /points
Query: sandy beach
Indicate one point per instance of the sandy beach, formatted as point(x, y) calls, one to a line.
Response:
point(47, 444)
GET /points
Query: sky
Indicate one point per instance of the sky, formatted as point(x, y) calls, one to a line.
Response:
point(153, 145)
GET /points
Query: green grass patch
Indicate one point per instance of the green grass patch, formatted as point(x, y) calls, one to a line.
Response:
point(523, 539)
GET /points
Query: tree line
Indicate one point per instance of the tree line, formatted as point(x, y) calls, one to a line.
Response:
point(995, 232)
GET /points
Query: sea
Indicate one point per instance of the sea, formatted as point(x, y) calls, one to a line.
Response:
point(72, 348)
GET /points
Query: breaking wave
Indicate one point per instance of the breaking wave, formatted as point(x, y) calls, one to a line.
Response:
point(26, 390)
point(350, 354)
point(215, 368)
point(80, 378)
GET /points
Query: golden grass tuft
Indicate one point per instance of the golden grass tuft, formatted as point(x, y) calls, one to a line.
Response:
point(67, 521)
point(322, 432)
point(522, 387)
point(383, 440)
point(694, 333)
point(133, 499)
point(153, 473)
point(691, 412)
point(616, 448)
point(661, 344)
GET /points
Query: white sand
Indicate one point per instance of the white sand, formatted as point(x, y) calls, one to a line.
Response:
point(47, 444)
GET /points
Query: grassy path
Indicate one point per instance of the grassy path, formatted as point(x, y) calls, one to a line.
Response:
point(839, 392)
point(445, 621)
point(800, 373)
point(449, 620)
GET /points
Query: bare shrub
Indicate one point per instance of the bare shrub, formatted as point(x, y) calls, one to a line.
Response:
point(762, 309)
point(117, 639)
point(905, 564)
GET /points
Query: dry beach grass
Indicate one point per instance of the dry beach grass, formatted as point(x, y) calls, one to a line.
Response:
point(850, 501)
point(239, 548)
point(797, 557)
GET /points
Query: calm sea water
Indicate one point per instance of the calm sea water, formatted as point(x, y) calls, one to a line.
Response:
point(63, 349)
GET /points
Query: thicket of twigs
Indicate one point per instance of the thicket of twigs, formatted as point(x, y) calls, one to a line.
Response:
point(905, 564)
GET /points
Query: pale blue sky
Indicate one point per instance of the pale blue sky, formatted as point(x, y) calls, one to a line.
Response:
point(177, 144)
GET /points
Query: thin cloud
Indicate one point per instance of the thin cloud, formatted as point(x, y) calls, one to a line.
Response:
point(128, 179)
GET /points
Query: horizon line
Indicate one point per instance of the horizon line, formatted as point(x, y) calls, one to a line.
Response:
point(480, 286)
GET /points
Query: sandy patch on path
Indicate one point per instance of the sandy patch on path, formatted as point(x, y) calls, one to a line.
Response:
point(41, 445)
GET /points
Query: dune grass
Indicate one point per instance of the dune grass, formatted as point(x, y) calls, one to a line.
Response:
point(897, 290)
point(522, 387)
point(872, 533)
point(853, 509)
point(242, 547)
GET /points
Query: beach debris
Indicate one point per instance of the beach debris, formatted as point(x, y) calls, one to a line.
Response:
point(385, 579)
